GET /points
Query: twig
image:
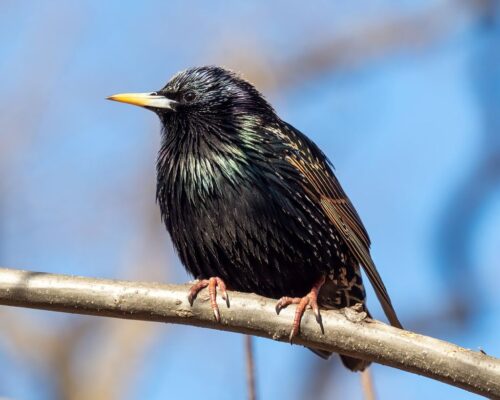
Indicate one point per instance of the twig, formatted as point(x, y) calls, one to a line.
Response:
point(255, 315)
point(250, 368)
point(367, 385)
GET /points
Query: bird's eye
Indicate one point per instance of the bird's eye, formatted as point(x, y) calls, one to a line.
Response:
point(189, 96)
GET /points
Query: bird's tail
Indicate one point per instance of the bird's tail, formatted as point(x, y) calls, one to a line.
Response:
point(354, 364)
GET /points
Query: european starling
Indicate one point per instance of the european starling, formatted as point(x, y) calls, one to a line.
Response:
point(251, 202)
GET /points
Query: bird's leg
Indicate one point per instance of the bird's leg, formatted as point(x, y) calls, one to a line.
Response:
point(309, 300)
point(212, 284)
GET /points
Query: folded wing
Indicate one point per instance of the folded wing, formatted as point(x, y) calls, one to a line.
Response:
point(324, 186)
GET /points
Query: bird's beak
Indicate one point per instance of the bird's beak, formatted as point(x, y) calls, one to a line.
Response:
point(151, 100)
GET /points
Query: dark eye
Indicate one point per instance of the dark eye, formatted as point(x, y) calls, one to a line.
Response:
point(189, 96)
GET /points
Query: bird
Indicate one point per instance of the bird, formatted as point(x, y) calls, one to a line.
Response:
point(252, 204)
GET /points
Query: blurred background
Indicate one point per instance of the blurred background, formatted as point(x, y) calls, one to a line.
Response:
point(403, 96)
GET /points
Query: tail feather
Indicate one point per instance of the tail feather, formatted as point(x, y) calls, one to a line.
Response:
point(354, 364)
point(325, 355)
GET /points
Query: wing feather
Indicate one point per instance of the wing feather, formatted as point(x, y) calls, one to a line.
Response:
point(321, 181)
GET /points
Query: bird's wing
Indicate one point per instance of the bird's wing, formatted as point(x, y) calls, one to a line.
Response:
point(321, 182)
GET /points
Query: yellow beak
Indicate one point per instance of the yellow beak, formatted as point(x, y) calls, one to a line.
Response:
point(144, 100)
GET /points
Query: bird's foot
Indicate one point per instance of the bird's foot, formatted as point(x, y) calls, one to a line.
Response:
point(309, 300)
point(212, 284)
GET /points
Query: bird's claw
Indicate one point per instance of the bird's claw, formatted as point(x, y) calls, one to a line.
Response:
point(212, 284)
point(285, 302)
point(308, 301)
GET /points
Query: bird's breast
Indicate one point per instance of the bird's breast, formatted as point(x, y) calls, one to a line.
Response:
point(245, 228)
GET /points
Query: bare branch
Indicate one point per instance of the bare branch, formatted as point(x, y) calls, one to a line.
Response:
point(367, 385)
point(255, 315)
point(250, 364)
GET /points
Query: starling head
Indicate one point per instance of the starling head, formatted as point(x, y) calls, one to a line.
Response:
point(212, 130)
point(204, 100)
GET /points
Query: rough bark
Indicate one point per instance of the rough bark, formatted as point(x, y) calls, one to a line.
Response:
point(344, 332)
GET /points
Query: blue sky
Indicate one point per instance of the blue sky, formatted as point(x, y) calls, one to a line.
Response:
point(403, 130)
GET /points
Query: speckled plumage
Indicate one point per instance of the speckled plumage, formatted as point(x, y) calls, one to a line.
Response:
point(248, 198)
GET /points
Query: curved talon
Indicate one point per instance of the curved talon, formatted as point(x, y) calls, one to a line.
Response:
point(195, 289)
point(212, 284)
point(285, 302)
point(310, 300)
point(316, 312)
point(222, 287)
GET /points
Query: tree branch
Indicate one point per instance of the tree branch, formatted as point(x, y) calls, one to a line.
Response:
point(255, 315)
